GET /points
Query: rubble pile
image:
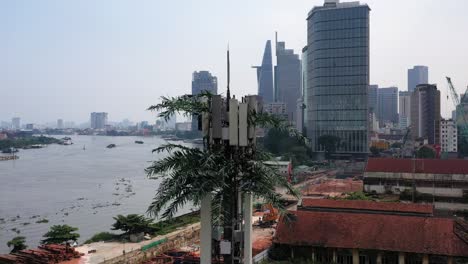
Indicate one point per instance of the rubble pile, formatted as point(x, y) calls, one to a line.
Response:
point(45, 254)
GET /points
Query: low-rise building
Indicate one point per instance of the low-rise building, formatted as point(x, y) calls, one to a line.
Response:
point(355, 232)
point(284, 167)
point(448, 135)
point(445, 182)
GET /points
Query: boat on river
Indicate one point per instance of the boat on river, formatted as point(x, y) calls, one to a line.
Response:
point(111, 146)
point(139, 142)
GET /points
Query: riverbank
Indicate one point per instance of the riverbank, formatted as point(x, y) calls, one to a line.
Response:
point(27, 142)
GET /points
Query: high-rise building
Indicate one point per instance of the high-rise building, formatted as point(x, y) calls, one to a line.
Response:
point(287, 78)
point(60, 123)
point(304, 89)
point(265, 75)
point(16, 123)
point(98, 120)
point(417, 75)
point(425, 113)
point(203, 81)
point(29, 126)
point(448, 135)
point(372, 98)
point(387, 105)
point(338, 75)
point(404, 107)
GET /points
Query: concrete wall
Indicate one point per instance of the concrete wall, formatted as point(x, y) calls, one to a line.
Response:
point(179, 240)
point(446, 192)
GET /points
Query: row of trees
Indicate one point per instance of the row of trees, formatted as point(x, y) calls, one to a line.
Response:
point(57, 234)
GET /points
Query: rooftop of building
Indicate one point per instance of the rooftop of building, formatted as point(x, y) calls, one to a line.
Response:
point(429, 166)
point(335, 4)
point(369, 206)
point(414, 234)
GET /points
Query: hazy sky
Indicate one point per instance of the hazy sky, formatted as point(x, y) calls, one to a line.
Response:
point(65, 59)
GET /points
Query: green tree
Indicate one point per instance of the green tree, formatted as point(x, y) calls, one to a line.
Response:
point(132, 224)
point(18, 243)
point(189, 174)
point(330, 143)
point(59, 234)
point(425, 152)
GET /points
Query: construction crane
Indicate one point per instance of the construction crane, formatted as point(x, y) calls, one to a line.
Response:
point(460, 109)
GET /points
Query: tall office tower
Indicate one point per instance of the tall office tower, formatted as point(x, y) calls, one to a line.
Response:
point(372, 98)
point(417, 75)
point(16, 123)
point(98, 120)
point(387, 105)
point(304, 89)
point(404, 106)
point(425, 113)
point(448, 135)
point(203, 81)
point(287, 78)
point(338, 75)
point(59, 123)
point(265, 75)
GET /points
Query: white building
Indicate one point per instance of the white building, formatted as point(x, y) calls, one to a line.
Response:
point(448, 135)
point(404, 109)
point(16, 123)
point(282, 166)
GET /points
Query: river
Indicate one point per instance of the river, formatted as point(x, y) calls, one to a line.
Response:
point(83, 185)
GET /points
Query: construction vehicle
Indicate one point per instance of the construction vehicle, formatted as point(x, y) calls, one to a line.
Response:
point(270, 216)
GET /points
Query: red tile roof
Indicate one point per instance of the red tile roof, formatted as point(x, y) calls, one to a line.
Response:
point(426, 235)
point(435, 166)
point(369, 206)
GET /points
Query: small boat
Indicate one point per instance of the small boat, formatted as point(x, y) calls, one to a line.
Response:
point(84, 147)
point(37, 146)
point(139, 142)
point(111, 146)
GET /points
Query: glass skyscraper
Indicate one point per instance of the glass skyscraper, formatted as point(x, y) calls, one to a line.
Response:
point(417, 75)
point(338, 75)
point(265, 75)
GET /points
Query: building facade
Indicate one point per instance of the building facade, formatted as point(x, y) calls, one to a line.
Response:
point(16, 123)
point(417, 75)
point(372, 98)
point(277, 109)
point(448, 135)
point(338, 75)
point(425, 113)
point(438, 181)
point(287, 78)
point(60, 123)
point(98, 120)
point(404, 109)
point(203, 81)
point(387, 105)
point(304, 89)
point(265, 75)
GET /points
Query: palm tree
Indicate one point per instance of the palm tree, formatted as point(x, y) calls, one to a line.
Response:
point(189, 174)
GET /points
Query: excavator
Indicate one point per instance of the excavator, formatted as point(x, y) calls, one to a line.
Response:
point(270, 216)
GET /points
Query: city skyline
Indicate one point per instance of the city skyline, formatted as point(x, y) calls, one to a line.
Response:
point(77, 58)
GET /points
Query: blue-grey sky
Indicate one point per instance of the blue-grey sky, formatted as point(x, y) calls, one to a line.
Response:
point(65, 59)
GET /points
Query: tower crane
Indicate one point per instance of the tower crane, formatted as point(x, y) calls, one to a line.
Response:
point(460, 109)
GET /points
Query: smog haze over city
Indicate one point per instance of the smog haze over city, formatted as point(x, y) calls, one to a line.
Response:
point(65, 59)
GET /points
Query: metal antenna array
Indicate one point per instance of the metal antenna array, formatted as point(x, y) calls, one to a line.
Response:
point(226, 127)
